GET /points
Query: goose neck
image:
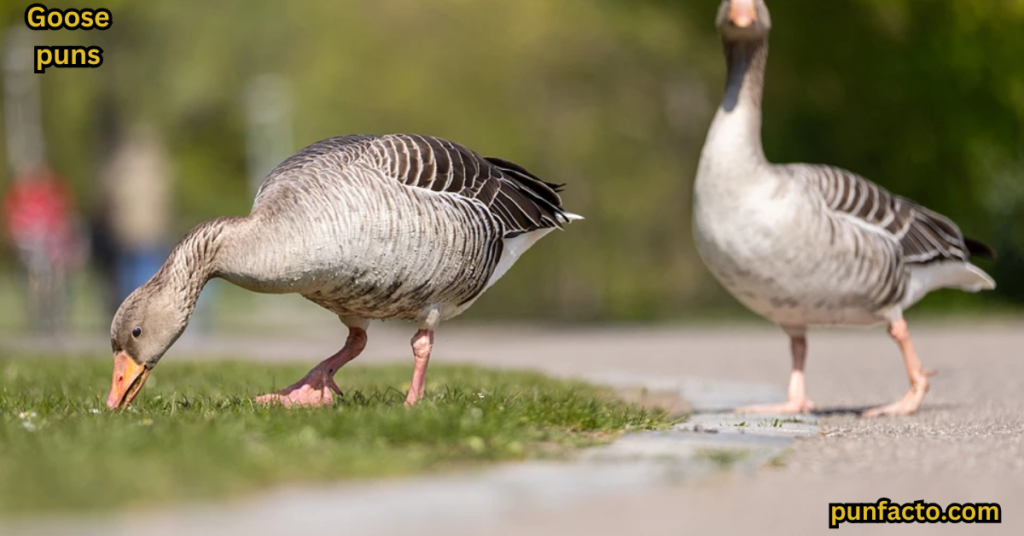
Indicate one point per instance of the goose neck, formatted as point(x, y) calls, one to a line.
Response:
point(738, 120)
point(196, 260)
point(746, 61)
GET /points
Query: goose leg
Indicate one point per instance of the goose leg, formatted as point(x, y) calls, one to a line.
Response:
point(316, 388)
point(422, 343)
point(797, 399)
point(915, 371)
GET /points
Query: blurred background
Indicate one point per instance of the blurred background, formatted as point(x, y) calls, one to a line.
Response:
point(105, 169)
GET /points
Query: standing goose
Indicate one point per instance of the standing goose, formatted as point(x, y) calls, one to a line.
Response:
point(393, 227)
point(813, 245)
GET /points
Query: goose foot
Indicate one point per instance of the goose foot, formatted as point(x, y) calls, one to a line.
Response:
point(915, 372)
point(797, 401)
point(422, 343)
point(316, 389)
point(789, 407)
point(910, 401)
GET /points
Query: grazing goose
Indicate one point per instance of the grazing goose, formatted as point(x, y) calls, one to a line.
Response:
point(394, 227)
point(808, 244)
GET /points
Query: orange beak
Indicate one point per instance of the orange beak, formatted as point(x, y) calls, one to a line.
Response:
point(129, 377)
point(742, 13)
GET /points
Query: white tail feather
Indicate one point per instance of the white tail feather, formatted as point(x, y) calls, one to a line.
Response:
point(959, 275)
point(513, 248)
point(976, 279)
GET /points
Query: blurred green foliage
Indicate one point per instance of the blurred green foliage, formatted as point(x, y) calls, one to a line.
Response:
point(925, 97)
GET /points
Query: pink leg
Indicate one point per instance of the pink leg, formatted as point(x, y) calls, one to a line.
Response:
point(797, 399)
point(316, 388)
point(422, 342)
point(915, 371)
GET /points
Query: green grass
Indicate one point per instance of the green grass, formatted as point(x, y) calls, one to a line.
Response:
point(193, 432)
point(723, 458)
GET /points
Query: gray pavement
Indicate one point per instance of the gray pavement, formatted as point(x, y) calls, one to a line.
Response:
point(966, 443)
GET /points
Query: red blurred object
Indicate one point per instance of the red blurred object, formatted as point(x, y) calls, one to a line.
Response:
point(39, 213)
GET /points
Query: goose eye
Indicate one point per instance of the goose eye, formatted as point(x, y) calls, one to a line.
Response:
point(136, 332)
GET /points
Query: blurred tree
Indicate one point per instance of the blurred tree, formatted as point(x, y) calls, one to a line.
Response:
point(925, 97)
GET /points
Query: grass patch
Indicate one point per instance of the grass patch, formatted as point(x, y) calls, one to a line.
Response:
point(193, 433)
point(721, 457)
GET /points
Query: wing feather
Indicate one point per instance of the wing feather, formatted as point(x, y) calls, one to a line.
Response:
point(924, 236)
point(519, 199)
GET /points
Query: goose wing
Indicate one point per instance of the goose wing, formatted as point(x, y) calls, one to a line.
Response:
point(924, 236)
point(519, 199)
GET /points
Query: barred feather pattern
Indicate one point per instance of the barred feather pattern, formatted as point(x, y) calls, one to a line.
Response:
point(386, 227)
point(883, 233)
point(924, 236)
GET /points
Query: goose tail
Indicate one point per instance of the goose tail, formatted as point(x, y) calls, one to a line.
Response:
point(567, 217)
point(959, 275)
point(974, 279)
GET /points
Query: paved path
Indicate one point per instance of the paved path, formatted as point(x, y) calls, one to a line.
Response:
point(966, 444)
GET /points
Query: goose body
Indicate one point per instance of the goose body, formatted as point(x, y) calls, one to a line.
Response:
point(391, 227)
point(401, 226)
point(816, 245)
point(804, 244)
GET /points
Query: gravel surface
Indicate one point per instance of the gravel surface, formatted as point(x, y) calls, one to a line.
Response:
point(965, 444)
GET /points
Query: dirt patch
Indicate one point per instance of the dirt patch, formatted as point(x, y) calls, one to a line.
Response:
point(668, 401)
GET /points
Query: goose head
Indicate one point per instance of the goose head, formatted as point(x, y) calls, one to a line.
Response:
point(740, 20)
point(145, 326)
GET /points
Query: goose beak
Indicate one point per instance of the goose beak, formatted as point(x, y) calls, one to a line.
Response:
point(129, 377)
point(742, 13)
